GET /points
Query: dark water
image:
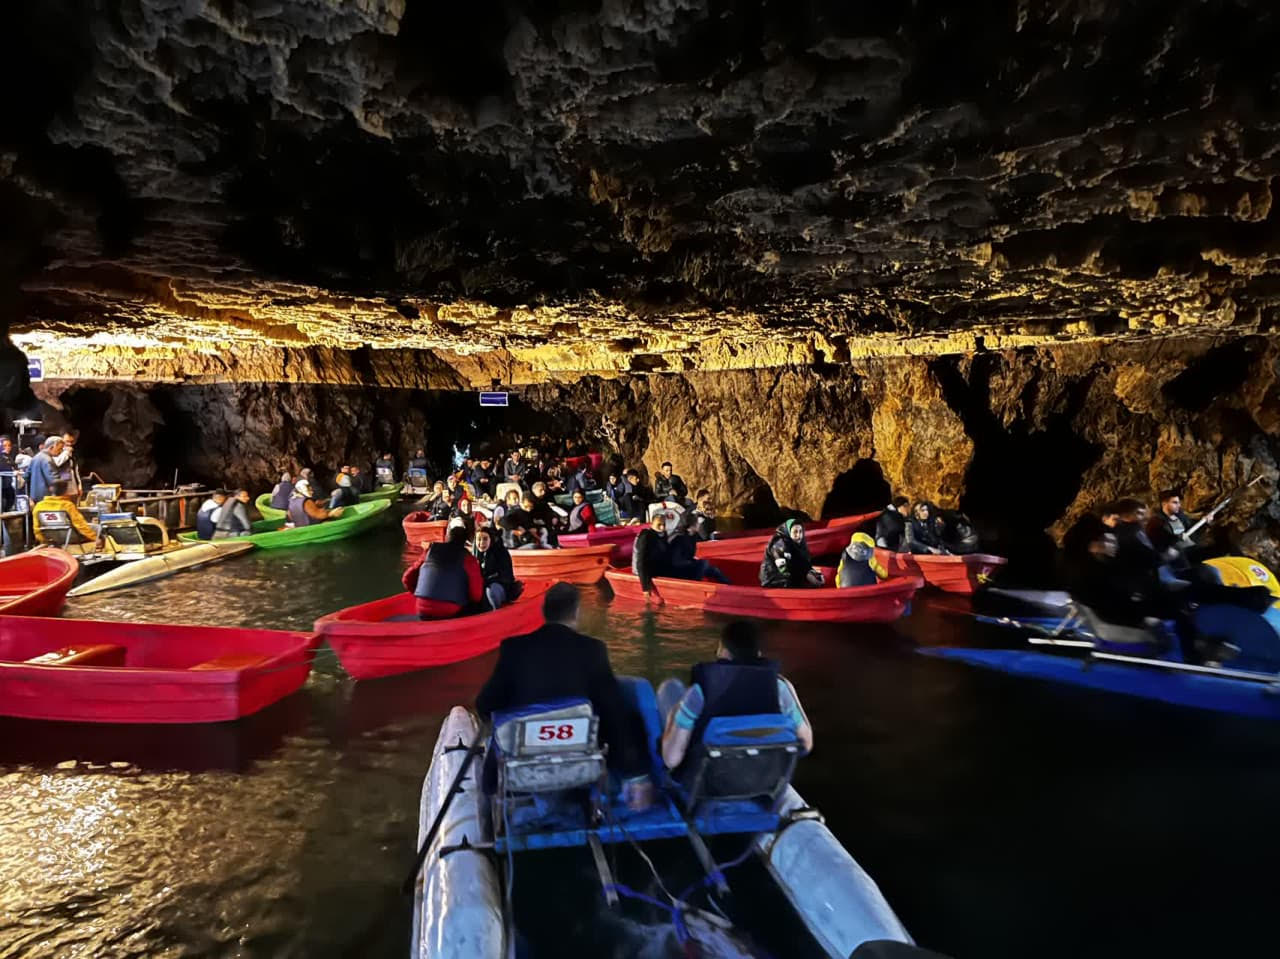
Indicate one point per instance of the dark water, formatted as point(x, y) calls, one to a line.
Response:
point(1002, 818)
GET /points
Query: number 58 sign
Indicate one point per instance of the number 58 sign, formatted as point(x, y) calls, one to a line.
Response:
point(558, 733)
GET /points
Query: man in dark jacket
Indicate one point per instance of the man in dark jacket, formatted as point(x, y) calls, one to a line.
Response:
point(635, 502)
point(682, 553)
point(557, 662)
point(651, 556)
point(669, 485)
point(892, 525)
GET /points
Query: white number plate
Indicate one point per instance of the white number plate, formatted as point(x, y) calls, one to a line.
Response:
point(558, 732)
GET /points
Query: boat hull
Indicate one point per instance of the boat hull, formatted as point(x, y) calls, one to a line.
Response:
point(165, 564)
point(1196, 690)
point(581, 566)
point(623, 538)
point(369, 647)
point(158, 681)
point(267, 534)
point(828, 536)
point(882, 603)
point(951, 574)
point(419, 528)
point(36, 583)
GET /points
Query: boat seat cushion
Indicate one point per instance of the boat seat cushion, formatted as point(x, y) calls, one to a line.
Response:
point(102, 654)
point(532, 764)
point(741, 757)
point(234, 661)
point(507, 724)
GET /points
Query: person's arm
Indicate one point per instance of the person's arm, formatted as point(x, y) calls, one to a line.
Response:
point(410, 577)
point(314, 511)
point(789, 706)
point(493, 696)
point(678, 734)
point(640, 561)
point(475, 578)
point(588, 518)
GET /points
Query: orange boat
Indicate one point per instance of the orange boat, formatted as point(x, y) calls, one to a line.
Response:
point(951, 574)
point(581, 565)
point(827, 536)
point(35, 583)
point(420, 528)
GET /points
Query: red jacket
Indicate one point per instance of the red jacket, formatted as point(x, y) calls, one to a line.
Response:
point(437, 609)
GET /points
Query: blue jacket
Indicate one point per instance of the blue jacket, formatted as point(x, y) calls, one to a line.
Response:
point(40, 476)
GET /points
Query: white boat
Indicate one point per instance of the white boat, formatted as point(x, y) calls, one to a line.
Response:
point(461, 904)
point(160, 565)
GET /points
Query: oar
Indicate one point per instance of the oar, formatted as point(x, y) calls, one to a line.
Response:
point(476, 747)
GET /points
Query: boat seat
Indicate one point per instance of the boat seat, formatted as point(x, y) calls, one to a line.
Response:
point(56, 529)
point(102, 654)
point(739, 758)
point(548, 747)
point(234, 661)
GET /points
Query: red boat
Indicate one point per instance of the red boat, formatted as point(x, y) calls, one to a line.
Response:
point(369, 644)
point(420, 528)
point(83, 670)
point(592, 461)
point(952, 574)
point(582, 565)
point(36, 583)
point(881, 603)
point(623, 538)
point(827, 536)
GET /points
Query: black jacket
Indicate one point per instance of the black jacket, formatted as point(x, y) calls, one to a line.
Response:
point(650, 557)
point(555, 662)
point(665, 487)
point(890, 528)
point(793, 571)
point(495, 564)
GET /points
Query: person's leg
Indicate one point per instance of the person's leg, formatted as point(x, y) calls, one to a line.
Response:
point(496, 594)
point(712, 573)
point(670, 692)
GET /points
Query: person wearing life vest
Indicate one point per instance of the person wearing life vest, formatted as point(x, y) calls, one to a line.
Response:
point(858, 563)
point(787, 563)
point(344, 493)
point(446, 579)
point(207, 515)
point(891, 527)
point(304, 511)
point(582, 518)
point(738, 682)
point(233, 518)
point(281, 492)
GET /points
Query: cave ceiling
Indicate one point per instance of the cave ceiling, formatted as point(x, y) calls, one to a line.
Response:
point(535, 189)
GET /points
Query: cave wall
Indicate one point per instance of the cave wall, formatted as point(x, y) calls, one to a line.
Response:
point(1024, 441)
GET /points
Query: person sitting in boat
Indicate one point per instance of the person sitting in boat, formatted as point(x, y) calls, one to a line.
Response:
point(418, 461)
point(958, 535)
point(1167, 531)
point(582, 518)
point(482, 478)
point(858, 563)
point(682, 553)
point(614, 490)
point(281, 492)
point(233, 518)
point(513, 470)
point(384, 469)
point(463, 511)
point(704, 513)
point(441, 507)
point(924, 532)
point(787, 563)
point(304, 510)
point(669, 485)
point(207, 515)
point(556, 662)
point(891, 527)
point(344, 493)
point(651, 554)
point(361, 480)
point(512, 501)
point(635, 503)
point(518, 530)
point(500, 584)
point(446, 579)
point(738, 682)
point(582, 479)
point(546, 515)
point(57, 500)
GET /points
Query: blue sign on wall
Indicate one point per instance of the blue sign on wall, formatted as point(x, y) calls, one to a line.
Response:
point(35, 369)
point(493, 399)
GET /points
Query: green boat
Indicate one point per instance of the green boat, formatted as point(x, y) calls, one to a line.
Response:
point(381, 494)
point(268, 534)
point(606, 512)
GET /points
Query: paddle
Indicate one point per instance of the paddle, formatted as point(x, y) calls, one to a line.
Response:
point(1210, 516)
point(476, 747)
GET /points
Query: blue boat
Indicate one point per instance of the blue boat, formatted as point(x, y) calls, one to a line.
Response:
point(1076, 648)
point(545, 786)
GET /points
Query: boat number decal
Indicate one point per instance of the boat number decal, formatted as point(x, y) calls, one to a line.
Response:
point(564, 732)
point(1260, 573)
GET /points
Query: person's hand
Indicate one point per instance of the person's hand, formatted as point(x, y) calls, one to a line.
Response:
point(638, 793)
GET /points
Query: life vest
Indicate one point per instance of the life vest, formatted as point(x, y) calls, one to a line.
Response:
point(576, 522)
point(855, 572)
point(298, 512)
point(735, 689)
point(280, 495)
point(205, 525)
point(343, 496)
point(442, 577)
point(228, 521)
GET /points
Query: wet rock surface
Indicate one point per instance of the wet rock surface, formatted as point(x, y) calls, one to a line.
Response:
point(650, 186)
